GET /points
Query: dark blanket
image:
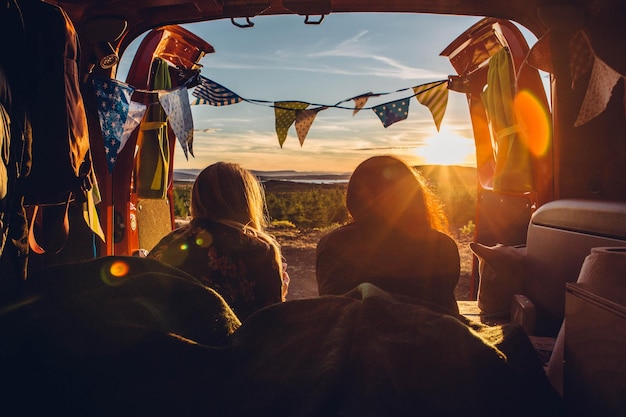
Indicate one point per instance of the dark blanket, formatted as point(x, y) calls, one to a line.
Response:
point(156, 343)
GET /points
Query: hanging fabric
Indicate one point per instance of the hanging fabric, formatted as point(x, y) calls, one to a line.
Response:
point(153, 155)
point(513, 171)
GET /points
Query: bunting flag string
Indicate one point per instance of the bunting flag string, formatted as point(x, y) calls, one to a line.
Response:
point(113, 98)
point(119, 116)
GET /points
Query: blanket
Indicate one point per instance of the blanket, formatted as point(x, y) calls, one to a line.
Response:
point(92, 340)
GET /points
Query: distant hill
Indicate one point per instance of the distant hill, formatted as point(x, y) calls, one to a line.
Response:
point(189, 175)
point(442, 177)
point(451, 174)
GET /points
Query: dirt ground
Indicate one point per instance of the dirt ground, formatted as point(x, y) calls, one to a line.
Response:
point(298, 247)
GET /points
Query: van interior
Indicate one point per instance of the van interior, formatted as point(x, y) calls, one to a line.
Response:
point(550, 147)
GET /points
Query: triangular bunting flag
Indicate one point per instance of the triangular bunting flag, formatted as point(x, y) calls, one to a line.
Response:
point(210, 92)
point(359, 102)
point(435, 97)
point(304, 120)
point(581, 56)
point(599, 90)
point(285, 113)
point(176, 106)
point(539, 56)
point(133, 119)
point(113, 98)
point(392, 112)
point(90, 213)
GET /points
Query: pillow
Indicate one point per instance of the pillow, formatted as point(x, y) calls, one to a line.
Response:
point(501, 269)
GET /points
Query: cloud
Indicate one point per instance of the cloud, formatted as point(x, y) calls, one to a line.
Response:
point(357, 49)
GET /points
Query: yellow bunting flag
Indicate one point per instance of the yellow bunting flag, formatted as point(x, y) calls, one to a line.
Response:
point(435, 97)
point(90, 213)
point(304, 120)
point(285, 113)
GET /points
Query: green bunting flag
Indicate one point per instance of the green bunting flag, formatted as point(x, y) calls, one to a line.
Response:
point(285, 113)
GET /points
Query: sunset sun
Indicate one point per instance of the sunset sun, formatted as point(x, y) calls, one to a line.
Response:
point(447, 148)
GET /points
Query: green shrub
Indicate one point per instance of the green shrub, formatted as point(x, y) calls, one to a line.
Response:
point(182, 200)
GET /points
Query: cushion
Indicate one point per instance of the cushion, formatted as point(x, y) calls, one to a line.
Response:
point(502, 270)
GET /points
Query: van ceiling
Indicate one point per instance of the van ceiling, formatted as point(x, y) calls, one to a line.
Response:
point(603, 19)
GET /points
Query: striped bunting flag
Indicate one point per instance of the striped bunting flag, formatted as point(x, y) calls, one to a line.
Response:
point(435, 97)
point(210, 92)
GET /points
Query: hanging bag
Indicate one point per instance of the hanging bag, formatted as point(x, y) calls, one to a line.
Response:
point(60, 160)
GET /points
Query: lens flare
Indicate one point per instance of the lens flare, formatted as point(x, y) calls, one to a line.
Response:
point(112, 273)
point(119, 269)
point(534, 121)
point(204, 239)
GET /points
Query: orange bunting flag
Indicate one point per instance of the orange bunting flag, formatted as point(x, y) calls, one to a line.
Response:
point(285, 114)
point(435, 97)
point(599, 91)
point(359, 102)
point(581, 56)
point(304, 120)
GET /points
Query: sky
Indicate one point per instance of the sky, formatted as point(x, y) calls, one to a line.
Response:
point(281, 58)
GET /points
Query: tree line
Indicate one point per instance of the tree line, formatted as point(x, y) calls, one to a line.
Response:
point(309, 206)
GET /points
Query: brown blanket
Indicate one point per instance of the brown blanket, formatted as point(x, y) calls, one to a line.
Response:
point(156, 343)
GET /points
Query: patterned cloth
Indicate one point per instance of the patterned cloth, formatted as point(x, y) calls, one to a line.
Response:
point(241, 268)
point(113, 103)
point(390, 113)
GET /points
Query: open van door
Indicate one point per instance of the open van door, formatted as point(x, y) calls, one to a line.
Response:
point(511, 125)
point(140, 187)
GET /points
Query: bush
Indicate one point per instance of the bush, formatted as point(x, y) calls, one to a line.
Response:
point(309, 208)
point(182, 200)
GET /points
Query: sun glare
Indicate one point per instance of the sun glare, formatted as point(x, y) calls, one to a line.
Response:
point(447, 148)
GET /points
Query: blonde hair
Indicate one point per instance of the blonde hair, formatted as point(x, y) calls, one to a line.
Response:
point(227, 193)
point(385, 189)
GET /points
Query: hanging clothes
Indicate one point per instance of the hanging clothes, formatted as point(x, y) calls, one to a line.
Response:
point(513, 171)
point(153, 155)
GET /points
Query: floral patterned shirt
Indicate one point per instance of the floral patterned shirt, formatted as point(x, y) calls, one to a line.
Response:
point(242, 268)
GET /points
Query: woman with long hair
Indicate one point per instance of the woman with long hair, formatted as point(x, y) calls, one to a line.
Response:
point(397, 238)
point(226, 245)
